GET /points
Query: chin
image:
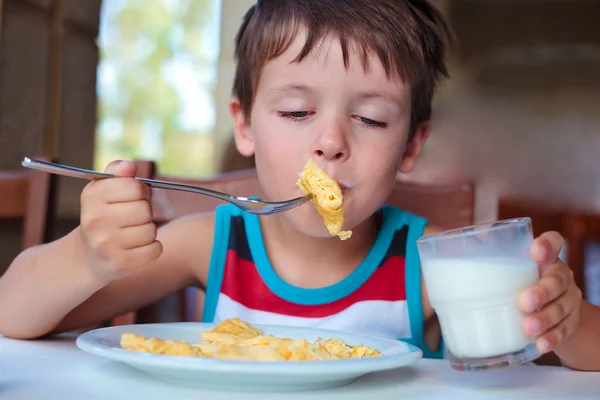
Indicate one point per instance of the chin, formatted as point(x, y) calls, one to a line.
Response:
point(307, 220)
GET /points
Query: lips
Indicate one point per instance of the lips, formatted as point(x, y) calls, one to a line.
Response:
point(346, 184)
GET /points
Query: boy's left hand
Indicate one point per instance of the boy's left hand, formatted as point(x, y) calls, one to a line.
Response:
point(553, 303)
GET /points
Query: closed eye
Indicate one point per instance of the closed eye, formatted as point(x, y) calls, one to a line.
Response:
point(371, 123)
point(294, 115)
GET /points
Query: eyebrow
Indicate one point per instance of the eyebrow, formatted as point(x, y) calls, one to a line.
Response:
point(290, 88)
point(394, 100)
point(367, 95)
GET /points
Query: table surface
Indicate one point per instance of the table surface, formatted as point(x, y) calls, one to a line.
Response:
point(56, 369)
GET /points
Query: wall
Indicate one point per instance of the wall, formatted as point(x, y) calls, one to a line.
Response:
point(47, 85)
point(232, 12)
point(520, 114)
point(48, 58)
point(543, 146)
point(517, 123)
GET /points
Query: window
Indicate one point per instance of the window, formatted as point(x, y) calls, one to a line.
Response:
point(156, 81)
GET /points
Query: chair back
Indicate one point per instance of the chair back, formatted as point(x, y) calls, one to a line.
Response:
point(28, 195)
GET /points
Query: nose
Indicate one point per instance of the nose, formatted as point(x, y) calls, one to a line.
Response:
point(331, 143)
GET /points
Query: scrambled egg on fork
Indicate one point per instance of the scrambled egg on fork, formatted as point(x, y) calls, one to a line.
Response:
point(326, 197)
point(234, 339)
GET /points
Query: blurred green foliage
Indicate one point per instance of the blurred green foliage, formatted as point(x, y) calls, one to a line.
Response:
point(156, 80)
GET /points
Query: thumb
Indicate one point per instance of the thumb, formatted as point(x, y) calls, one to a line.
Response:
point(121, 168)
point(547, 247)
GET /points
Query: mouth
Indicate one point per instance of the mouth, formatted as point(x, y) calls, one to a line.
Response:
point(346, 184)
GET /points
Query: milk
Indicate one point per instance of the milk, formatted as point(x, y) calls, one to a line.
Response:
point(475, 300)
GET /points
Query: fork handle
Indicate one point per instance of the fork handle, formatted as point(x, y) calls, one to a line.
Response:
point(64, 170)
point(81, 173)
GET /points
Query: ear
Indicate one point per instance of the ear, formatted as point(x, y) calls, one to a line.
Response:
point(413, 148)
point(242, 132)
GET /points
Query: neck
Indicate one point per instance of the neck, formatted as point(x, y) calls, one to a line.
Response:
point(333, 253)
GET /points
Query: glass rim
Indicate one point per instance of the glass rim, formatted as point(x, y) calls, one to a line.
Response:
point(475, 228)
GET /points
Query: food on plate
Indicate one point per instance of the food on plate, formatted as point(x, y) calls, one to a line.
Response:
point(326, 196)
point(234, 339)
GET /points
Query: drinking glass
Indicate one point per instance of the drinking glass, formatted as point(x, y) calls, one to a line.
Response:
point(473, 277)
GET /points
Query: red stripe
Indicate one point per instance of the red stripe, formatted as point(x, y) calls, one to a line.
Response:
point(242, 283)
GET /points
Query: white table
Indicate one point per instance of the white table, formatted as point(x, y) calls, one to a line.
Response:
point(56, 369)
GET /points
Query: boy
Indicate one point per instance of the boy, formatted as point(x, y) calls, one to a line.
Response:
point(347, 83)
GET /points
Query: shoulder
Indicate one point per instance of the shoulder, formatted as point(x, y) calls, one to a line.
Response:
point(188, 241)
point(431, 229)
point(198, 225)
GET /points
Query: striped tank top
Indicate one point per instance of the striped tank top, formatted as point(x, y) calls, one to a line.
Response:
point(381, 297)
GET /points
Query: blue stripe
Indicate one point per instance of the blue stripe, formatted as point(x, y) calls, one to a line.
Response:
point(393, 220)
point(223, 215)
point(413, 289)
point(329, 294)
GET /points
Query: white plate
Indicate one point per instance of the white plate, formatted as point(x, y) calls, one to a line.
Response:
point(247, 375)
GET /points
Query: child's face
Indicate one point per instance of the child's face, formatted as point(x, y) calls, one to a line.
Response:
point(354, 124)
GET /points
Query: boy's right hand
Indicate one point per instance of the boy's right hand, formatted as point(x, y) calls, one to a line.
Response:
point(118, 234)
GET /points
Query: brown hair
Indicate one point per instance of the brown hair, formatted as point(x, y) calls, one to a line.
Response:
point(408, 36)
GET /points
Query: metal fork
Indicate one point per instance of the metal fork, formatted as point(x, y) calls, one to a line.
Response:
point(251, 206)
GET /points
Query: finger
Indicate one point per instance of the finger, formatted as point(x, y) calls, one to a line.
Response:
point(563, 330)
point(121, 168)
point(120, 190)
point(546, 248)
point(132, 213)
point(137, 236)
point(540, 322)
point(553, 283)
point(143, 255)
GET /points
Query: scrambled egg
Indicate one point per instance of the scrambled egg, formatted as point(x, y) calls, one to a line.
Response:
point(326, 197)
point(234, 339)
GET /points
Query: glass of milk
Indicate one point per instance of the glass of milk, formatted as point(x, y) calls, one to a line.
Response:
point(473, 277)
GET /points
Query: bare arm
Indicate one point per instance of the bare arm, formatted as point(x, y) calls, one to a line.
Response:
point(49, 289)
point(41, 285)
point(113, 262)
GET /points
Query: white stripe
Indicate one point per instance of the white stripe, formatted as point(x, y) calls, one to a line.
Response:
point(387, 319)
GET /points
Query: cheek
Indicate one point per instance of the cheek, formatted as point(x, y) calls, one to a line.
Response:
point(384, 159)
point(378, 173)
point(278, 163)
point(278, 151)
point(378, 185)
point(273, 138)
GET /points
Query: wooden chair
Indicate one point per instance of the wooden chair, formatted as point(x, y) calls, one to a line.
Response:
point(170, 204)
point(448, 206)
point(544, 218)
point(575, 226)
point(579, 227)
point(28, 195)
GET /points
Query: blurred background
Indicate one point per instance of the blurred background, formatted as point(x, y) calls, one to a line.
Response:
point(87, 81)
